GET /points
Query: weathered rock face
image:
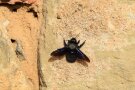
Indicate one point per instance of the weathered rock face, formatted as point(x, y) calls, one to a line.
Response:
point(11, 76)
point(108, 28)
point(106, 25)
point(7, 57)
point(19, 29)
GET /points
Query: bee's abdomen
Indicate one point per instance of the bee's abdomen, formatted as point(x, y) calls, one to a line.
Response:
point(71, 57)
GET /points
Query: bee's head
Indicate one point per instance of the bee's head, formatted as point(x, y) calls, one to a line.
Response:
point(73, 40)
point(72, 43)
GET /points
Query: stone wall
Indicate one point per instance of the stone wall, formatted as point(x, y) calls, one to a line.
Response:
point(108, 28)
point(30, 32)
point(19, 31)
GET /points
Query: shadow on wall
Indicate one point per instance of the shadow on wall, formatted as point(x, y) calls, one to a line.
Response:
point(82, 62)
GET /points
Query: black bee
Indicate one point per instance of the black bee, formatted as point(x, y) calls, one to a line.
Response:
point(71, 50)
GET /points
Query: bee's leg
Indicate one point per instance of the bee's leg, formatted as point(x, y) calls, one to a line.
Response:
point(78, 42)
point(82, 44)
point(64, 42)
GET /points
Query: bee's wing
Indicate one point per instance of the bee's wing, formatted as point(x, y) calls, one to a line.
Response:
point(82, 56)
point(59, 52)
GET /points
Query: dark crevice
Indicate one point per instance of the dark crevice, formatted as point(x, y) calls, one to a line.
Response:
point(42, 82)
point(14, 7)
point(58, 16)
point(41, 79)
point(19, 49)
point(18, 5)
point(4, 1)
point(13, 41)
point(31, 10)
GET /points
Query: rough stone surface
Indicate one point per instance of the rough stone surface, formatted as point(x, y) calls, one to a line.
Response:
point(11, 77)
point(19, 29)
point(106, 25)
point(108, 28)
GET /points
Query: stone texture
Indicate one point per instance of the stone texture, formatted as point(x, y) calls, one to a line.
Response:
point(19, 30)
point(9, 64)
point(108, 28)
point(106, 25)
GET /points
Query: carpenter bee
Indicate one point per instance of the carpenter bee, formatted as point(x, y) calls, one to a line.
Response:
point(72, 51)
